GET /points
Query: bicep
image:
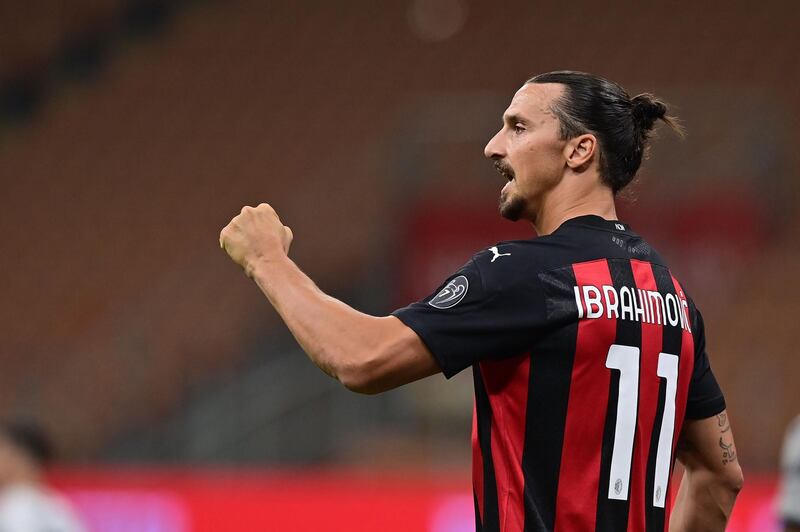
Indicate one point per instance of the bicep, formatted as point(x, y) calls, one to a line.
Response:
point(401, 358)
point(707, 444)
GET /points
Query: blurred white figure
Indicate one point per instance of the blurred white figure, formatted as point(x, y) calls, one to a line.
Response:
point(26, 503)
point(790, 478)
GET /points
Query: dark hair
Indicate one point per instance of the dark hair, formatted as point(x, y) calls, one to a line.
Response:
point(30, 438)
point(622, 125)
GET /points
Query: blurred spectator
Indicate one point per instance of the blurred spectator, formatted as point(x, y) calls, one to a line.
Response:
point(26, 503)
point(790, 481)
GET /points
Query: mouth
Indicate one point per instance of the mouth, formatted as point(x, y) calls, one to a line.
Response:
point(504, 170)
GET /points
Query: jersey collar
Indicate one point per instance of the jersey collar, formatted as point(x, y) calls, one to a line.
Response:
point(592, 220)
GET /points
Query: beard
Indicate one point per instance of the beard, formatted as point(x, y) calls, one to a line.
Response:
point(511, 207)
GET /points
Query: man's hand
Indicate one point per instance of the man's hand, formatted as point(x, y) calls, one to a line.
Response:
point(367, 354)
point(255, 235)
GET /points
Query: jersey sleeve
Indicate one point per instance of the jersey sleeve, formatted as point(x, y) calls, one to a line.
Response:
point(487, 311)
point(705, 396)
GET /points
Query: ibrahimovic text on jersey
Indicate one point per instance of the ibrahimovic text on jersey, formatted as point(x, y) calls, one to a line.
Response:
point(587, 356)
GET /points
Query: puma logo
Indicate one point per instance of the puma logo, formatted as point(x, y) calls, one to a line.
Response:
point(497, 253)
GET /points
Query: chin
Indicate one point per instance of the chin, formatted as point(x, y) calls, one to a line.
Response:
point(512, 208)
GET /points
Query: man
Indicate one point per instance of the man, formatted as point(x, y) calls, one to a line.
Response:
point(790, 478)
point(26, 504)
point(588, 358)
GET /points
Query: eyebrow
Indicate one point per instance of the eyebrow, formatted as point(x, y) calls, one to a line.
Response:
point(513, 119)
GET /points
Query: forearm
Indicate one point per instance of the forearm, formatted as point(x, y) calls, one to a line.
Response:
point(367, 354)
point(333, 334)
point(337, 338)
point(704, 503)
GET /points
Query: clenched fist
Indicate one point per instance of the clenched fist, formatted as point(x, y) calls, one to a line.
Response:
point(255, 235)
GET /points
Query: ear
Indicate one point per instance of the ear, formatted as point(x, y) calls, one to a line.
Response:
point(580, 150)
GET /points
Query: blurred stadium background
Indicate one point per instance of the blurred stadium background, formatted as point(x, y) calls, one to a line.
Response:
point(132, 131)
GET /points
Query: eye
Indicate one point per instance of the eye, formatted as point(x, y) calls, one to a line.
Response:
point(518, 128)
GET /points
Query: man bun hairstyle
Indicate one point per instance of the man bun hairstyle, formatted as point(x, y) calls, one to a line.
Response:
point(622, 125)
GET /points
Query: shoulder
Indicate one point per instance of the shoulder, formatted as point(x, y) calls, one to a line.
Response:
point(511, 262)
point(508, 263)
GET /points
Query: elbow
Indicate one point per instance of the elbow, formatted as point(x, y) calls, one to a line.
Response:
point(362, 377)
point(731, 485)
point(363, 387)
point(386, 359)
point(361, 384)
point(734, 480)
point(726, 485)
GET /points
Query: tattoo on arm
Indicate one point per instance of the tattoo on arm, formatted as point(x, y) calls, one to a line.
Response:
point(722, 421)
point(728, 452)
point(728, 448)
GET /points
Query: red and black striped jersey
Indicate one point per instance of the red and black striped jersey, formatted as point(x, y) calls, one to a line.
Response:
point(587, 356)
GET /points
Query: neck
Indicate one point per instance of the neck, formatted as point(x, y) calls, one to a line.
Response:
point(561, 205)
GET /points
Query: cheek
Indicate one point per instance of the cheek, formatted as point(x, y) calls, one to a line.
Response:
point(547, 152)
point(540, 165)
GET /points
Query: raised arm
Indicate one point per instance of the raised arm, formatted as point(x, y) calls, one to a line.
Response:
point(712, 477)
point(367, 354)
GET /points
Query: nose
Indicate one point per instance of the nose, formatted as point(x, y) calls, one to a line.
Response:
point(493, 149)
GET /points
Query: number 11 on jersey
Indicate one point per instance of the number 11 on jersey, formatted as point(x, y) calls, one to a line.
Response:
point(626, 359)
